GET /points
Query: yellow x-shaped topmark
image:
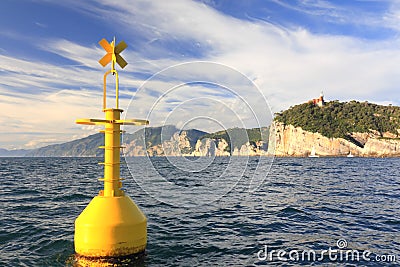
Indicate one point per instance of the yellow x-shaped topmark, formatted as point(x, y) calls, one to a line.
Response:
point(111, 50)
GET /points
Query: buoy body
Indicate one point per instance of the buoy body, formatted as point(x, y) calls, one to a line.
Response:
point(110, 227)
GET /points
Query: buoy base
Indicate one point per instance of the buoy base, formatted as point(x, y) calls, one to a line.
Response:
point(110, 227)
point(130, 260)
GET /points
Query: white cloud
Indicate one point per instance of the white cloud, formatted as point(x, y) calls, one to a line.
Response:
point(85, 56)
point(294, 64)
point(46, 116)
point(350, 13)
point(41, 142)
point(290, 66)
point(392, 17)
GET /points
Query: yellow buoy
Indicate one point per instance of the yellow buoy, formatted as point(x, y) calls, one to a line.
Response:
point(111, 225)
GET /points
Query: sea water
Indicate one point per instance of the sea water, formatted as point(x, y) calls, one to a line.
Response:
point(319, 208)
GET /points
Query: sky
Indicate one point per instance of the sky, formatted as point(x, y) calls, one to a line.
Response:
point(206, 64)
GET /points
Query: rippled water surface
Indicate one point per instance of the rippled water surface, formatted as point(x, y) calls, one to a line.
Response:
point(302, 204)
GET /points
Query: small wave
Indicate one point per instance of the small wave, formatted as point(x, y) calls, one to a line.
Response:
point(392, 222)
point(278, 184)
point(291, 210)
point(332, 210)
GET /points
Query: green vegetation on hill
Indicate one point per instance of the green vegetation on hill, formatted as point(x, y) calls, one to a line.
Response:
point(152, 136)
point(236, 137)
point(338, 119)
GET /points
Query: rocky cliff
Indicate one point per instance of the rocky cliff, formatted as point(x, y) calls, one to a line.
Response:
point(287, 140)
point(179, 144)
point(183, 144)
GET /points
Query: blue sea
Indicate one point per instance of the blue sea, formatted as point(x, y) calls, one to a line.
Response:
point(213, 212)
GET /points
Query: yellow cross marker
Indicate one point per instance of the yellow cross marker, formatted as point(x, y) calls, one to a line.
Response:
point(113, 51)
point(113, 56)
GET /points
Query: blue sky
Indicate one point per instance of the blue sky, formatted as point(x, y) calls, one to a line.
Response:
point(289, 50)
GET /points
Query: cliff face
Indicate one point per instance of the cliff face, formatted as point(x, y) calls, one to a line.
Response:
point(181, 144)
point(211, 147)
point(294, 141)
point(251, 149)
